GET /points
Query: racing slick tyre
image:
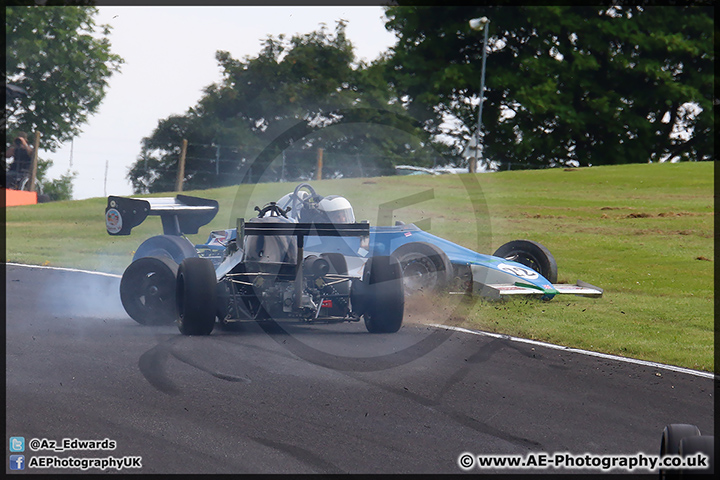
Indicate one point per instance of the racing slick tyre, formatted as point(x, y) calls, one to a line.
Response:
point(531, 254)
point(672, 435)
point(385, 295)
point(147, 290)
point(337, 262)
point(170, 246)
point(424, 267)
point(689, 446)
point(196, 296)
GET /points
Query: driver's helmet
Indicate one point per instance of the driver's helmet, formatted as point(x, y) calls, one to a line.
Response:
point(337, 209)
point(287, 201)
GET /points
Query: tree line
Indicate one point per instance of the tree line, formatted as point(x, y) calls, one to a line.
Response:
point(565, 85)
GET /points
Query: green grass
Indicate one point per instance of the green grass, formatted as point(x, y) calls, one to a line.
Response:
point(644, 233)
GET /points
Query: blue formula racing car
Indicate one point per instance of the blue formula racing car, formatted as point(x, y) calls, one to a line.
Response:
point(305, 258)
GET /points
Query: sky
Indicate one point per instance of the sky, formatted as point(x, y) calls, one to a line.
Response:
point(169, 55)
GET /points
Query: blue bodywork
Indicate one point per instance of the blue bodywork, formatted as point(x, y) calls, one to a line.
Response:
point(385, 240)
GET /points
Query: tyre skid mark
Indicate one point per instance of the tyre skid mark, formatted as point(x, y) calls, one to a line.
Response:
point(152, 366)
point(303, 455)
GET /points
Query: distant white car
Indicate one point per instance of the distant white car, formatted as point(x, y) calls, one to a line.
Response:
point(413, 170)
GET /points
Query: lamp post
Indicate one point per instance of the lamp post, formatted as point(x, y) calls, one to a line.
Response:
point(480, 24)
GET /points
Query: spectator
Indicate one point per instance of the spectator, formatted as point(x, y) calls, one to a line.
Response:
point(21, 152)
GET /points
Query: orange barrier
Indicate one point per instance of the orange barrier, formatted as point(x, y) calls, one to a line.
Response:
point(18, 197)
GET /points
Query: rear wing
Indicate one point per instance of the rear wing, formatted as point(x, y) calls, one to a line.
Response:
point(179, 215)
point(304, 229)
point(301, 230)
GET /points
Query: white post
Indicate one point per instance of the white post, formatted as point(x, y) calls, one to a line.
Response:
point(480, 24)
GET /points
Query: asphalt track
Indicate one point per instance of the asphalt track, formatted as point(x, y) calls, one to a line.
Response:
point(313, 399)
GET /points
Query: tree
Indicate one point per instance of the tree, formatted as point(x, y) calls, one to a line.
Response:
point(565, 84)
point(60, 188)
point(296, 96)
point(63, 60)
point(53, 190)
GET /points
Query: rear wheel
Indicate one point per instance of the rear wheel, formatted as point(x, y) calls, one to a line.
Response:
point(170, 246)
point(672, 434)
point(147, 290)
point(196, 296)
point(670, 444)
point(385, 295)
point(337, 262)
point(531, 254)
point(424, 267)
point(705, 444)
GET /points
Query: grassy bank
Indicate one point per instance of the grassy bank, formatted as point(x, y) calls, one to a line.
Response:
point(644, 233)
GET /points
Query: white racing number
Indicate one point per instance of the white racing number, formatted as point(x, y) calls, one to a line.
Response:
point(518, 271)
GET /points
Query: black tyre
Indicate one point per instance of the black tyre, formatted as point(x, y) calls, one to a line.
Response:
point(385, 295)
point(670, 444)
point(170, 246)
point(532, 255)
point(196, 296)
point(424, 267)
point(672, 434)
point(337, 261)
point(147, 290)
point(689, 446)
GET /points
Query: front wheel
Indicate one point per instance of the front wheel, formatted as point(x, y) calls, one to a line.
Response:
point(196, 296)
point(532, 255)
point(424, 267)
point(385, 295)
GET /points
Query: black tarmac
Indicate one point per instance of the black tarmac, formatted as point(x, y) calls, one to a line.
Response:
point(312, 399)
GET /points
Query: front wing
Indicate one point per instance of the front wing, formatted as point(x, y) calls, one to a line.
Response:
point(499, 291)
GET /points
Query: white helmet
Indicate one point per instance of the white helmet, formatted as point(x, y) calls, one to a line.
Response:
point(337, 209)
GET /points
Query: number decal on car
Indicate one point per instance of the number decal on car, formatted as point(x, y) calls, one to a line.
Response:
point(518, 271)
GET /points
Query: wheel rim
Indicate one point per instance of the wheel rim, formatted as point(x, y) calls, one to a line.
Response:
point(148, 294)
point(419, 274)
point(525, 259)
point(153, 294)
